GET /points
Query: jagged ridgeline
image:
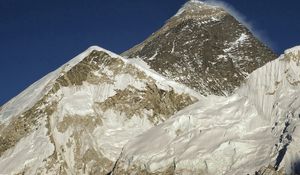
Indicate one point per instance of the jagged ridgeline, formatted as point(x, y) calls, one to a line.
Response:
point(101, 113)
point(94, 105)
point(204, 47)
point(255, 131)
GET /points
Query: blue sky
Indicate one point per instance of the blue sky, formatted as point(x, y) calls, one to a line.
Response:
point(37, 36)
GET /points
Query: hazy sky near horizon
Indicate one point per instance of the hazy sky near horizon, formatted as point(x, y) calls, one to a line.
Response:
point(36, 37)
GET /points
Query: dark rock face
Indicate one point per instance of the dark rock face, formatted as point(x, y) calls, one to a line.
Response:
point(205, 48)
point(269, 171)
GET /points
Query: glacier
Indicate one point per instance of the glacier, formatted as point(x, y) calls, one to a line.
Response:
point(257, 126)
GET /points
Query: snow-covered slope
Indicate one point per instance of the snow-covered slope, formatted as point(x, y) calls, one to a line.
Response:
point(77, 119)
point(256, 127)
point(33, 93)
point(103, 114)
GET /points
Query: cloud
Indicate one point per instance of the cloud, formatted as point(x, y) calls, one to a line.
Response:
point(260, 34)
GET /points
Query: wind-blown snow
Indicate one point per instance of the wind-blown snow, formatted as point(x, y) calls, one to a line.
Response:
point(242, 19)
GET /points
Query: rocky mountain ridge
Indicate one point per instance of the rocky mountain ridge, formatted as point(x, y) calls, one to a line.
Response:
point(255, 129)
point(205, 48)
point(200, 96)
point(102, 96)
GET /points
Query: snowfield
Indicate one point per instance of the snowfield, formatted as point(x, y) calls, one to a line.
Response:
point(101, 113)
point(83, 119)
point(256, 127)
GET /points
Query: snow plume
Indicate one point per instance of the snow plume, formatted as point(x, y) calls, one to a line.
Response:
point(242, 19)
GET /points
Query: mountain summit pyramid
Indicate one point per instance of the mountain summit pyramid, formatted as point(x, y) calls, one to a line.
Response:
point(205, 48)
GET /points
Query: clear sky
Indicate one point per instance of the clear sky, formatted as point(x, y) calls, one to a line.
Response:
point(37, 36)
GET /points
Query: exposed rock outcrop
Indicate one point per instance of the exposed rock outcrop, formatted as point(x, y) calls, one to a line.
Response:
point(204, 47)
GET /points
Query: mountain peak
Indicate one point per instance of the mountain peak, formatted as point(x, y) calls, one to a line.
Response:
point(41, 87)
point(262, 115)
point(205, 48)
point(294, 50)
point(199, 9)
point(97, 94)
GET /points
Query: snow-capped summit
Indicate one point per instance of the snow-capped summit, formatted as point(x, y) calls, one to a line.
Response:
point(101, 113)
point(33, 93)
point(194, 7)
point(76, 119)
point(295, 51)
point(205, 48)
